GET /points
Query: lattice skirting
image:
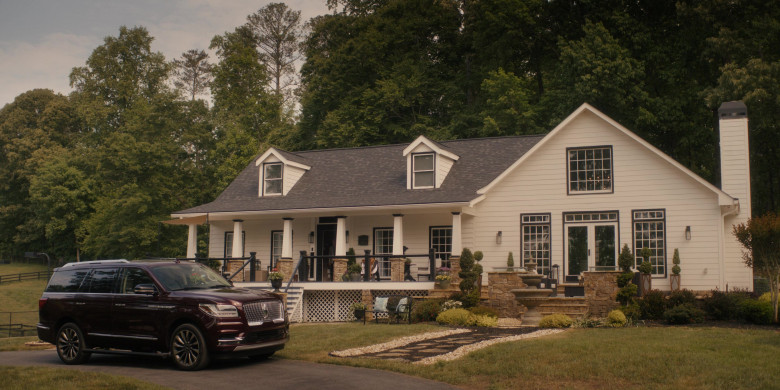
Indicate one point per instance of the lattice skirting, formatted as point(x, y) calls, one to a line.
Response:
point(333, 306)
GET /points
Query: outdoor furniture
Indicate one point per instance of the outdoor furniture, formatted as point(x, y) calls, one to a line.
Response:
point(396, 307)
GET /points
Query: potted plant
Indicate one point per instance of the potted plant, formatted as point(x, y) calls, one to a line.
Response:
point(276, 278)
point(510, 262)
point(674, 278)
point(443, 277)
point(353, 270)
point(646, 269)
point(359, 310)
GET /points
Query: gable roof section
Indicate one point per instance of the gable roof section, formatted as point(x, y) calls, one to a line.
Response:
point(436, 146)
point(372, 176)
point(724, 199)
point(286, 157)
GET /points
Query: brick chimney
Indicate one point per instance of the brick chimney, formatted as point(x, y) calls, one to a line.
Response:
point(734, 154)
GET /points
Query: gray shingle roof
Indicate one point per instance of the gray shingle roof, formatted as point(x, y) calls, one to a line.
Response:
point(373, 176)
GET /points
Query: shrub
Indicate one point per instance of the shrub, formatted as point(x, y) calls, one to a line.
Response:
point(724, 306)
point(485, 321)
point(684, 314)
point(426, 310)
point(510, 261)
point(459, 317)
point(586, 323)
point(682, 297)
point(676, 262)
point(468, 300)
point(646, 267)
point(624, 279)
point(616, 319)
point(625, 260)
point(484, 311)
point(756, 311)
point(556, 321)
point(627, 293)
point(767, 297)
point(653, 305)
point(451, 304)
point(631, 311)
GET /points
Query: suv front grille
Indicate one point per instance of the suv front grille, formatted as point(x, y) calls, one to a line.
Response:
point(259, 312)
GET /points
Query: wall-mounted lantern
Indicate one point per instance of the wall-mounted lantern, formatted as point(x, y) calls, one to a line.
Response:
point(498, 237)
point(688, 233)
point(311, 237)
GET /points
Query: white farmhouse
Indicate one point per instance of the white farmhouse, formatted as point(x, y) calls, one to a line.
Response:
point(569, 200)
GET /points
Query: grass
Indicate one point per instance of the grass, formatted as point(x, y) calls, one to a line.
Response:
point(654, 358)
point(21, 296)
point(64, 379)
point(20, 268)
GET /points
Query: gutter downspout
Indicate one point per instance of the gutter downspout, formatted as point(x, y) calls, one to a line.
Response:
point(730, 210)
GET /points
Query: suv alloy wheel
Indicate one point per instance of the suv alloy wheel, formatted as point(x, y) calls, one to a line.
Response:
point(188, 348)
point(70, 344)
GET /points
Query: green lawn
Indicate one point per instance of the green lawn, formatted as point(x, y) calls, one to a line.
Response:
point(63, 379)
point(656, 358)
point(20, 268)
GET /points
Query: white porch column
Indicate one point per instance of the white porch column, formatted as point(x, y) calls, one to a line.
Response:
point(457, 244)
point(398, 234)
point(287, 242)
point(192, 240)
point(238, 243)
point(341, 236)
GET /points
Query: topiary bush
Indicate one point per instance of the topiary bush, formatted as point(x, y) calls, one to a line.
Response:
point(684, 314)
point(616, 319)
point(681, 297)
point(458, 317)
point(756, 311)
point(632, 311)
point(653, 305)
point(556, 321)
point(484, 311)
point(426, 310)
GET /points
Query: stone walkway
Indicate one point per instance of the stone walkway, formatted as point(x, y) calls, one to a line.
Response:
point(429, 348)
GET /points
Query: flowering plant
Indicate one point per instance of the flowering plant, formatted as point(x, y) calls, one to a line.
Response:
point(451, 304)
point(442, 277)
point(275, 275)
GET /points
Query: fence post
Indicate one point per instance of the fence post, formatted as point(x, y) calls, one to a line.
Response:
point(431, 264)
point(367, 266)
point(252, 261)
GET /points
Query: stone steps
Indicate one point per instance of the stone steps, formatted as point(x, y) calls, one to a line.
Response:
point(572, 307)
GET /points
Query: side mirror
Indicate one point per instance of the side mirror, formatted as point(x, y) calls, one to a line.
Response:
point(145, 289)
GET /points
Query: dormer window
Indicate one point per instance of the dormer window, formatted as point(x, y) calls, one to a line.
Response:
point(423, 170)
point(272, 179)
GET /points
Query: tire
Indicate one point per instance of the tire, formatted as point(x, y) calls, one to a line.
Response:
point(188, 348)
point(70, 344)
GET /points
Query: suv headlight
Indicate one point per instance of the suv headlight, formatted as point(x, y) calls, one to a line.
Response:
point(219, 310)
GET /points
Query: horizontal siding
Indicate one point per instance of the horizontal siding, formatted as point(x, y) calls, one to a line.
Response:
point(641, 181)
point(291, 176)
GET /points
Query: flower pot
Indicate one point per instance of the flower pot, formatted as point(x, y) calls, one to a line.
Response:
point(645, 283)
point(276, 284)
point(443, 284)
point(359, 314)
point(674, 282)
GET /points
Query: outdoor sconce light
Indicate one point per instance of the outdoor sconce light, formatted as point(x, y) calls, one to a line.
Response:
point(311, 237)
point(688, 233)
point(346, 236)
point(498, 237)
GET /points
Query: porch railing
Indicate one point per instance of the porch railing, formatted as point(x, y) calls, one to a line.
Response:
point(301, 268)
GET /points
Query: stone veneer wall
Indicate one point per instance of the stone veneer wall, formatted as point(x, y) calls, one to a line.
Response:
point(339, 269)
point(500, 296)
point(600, 292)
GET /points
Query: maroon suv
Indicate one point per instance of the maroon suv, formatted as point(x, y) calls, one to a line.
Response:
point(182, 310)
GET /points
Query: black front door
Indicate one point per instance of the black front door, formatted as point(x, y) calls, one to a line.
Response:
point(326, 246)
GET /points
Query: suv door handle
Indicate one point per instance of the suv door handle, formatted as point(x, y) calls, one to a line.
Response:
point(81, 303)
point(119, 304)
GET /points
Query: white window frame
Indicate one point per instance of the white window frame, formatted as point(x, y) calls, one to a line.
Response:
point(432, 170)
point(440, 238)
point(591, 168)
point(382, 251)
point(277, 237)
point(266, 179)
point(536, 230)
point(649, 228)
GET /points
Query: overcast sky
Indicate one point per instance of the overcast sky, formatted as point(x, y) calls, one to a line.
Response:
point(42, 40)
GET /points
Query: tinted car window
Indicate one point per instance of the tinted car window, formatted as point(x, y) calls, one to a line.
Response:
point(101, 281)
point(132, 277)
point(178, 277)
point(67, 281)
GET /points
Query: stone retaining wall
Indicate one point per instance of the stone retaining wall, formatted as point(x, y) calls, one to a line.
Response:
point(500, 296)
point(600, 291)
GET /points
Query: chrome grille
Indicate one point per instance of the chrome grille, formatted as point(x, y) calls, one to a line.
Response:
point(259, 312)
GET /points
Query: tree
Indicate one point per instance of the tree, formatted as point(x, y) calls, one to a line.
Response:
point(760, 236)
point(278, 32)
point(193, 72)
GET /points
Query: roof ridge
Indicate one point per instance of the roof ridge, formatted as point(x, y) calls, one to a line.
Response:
point(407, 143)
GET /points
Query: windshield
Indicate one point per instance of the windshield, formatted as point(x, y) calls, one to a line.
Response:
point(194, 276)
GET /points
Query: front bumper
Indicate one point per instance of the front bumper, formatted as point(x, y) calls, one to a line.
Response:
point(254, 342)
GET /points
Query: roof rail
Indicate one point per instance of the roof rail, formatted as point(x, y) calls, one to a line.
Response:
point(96, 262)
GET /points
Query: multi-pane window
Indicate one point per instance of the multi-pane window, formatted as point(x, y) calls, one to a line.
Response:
point(441, 243)
point(423, 170)
point(650, 232)
point(590, 169)
point(276, 246)
point(383, 245)
point(229, 244)
point(536, 240)
point(272, 179)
